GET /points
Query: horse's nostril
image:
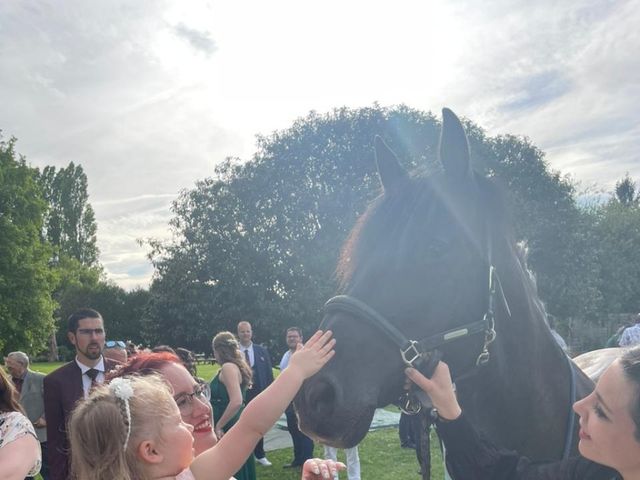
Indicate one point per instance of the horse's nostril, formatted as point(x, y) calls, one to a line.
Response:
point(321, 398)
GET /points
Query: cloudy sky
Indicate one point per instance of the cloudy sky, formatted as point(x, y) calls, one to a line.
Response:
point(149, 95)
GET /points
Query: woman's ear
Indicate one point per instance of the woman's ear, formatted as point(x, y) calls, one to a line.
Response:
point(148, 453)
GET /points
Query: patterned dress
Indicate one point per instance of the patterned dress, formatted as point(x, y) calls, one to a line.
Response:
point(219, 402)
point(14, 425)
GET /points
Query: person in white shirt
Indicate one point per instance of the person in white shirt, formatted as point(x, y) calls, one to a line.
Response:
point(631, 335)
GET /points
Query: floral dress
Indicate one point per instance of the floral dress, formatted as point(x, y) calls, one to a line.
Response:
point(14, 425)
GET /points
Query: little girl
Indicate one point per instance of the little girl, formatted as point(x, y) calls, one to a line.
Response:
point(132, 429)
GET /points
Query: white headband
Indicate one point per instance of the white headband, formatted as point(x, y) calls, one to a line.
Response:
point(122, 389)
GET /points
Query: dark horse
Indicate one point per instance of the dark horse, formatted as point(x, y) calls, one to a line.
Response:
point(422, 257)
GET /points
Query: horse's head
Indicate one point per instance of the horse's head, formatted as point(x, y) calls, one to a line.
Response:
point(419, 257)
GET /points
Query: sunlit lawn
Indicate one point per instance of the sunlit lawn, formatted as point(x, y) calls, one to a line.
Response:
point(206, 371)
point(381, 457)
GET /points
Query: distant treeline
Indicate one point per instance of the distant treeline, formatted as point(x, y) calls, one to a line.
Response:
point(259, 240)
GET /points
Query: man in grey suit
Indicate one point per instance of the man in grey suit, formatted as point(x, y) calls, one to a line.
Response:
point(30, 385)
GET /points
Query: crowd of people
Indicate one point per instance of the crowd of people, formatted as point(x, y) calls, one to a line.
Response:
point(91, 417)
point(117, 413)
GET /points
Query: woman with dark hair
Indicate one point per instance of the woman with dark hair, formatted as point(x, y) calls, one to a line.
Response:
point(609, 434)
point(188, 360)
point(19, 447)
point(191, 396)
point(228, 390)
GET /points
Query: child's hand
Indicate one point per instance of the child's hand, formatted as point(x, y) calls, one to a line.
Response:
point(440, 390)
point(316, 352)
point(315, 469)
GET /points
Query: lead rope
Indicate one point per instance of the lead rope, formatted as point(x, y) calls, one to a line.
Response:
point(571, 424)
point(424, 444)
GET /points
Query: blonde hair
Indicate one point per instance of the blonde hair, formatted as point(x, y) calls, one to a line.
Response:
point(98, 429)
point(228, 350)
point(8, 394)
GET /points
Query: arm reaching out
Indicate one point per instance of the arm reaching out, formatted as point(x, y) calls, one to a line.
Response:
point(471, 456)
point(224, 459)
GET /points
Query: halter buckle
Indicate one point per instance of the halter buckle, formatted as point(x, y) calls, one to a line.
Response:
point(416, 354)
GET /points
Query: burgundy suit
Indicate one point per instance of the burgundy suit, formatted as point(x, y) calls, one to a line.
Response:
point(62, 390)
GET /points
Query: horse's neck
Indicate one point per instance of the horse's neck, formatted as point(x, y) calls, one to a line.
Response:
point(521, 399)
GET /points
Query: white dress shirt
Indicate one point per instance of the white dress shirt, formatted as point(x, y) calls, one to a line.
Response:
point(630, 336)
point(249, 349)
point(86, 381)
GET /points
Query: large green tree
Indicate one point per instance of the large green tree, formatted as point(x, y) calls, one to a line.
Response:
point(70, 224)
point(617, 237)
point(625, 192)
point(557, 233)
point(26, 306)
point(70, 228)
point(259, 240)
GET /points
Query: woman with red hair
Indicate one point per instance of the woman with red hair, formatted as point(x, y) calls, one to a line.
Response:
point(191, 396)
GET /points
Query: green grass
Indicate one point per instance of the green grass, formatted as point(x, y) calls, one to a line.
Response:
point(45, 367)
point(206, 371)
point(381, 457)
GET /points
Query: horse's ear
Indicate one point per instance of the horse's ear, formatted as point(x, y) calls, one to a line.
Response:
point(454, 148)
point(389, 168)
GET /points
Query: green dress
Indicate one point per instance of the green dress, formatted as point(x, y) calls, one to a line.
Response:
point(219, 402)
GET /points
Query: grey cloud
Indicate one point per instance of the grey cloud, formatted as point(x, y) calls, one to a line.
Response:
point(198, 39)
point(128, 90)
point(537, 90)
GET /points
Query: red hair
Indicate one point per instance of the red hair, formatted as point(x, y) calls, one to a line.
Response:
point(145, 363)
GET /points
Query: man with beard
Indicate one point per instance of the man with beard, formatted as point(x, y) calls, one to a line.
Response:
point(64, 386)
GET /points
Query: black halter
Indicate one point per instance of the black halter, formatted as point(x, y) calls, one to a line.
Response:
point(424, 354)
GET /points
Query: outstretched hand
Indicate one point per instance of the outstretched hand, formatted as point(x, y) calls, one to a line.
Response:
point(316, 469)
point(439, 388)
point(316, 352)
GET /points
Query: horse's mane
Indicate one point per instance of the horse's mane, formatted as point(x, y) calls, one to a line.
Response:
point(531, 282)
point(347, 263)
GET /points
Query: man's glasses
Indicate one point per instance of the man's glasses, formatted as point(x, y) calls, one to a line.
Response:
point(89, 331)
point(201, 391)
point(114, 344)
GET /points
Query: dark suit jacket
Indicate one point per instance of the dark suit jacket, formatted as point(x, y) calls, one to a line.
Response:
point(62, 389)
point(32, 400)
point(262, 372)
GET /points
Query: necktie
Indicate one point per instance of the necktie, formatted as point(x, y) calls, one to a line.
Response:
point(246, 356)
point(92, 373)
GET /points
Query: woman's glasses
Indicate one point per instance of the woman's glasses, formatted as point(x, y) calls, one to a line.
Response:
point(201, 391)
point(114, 344)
